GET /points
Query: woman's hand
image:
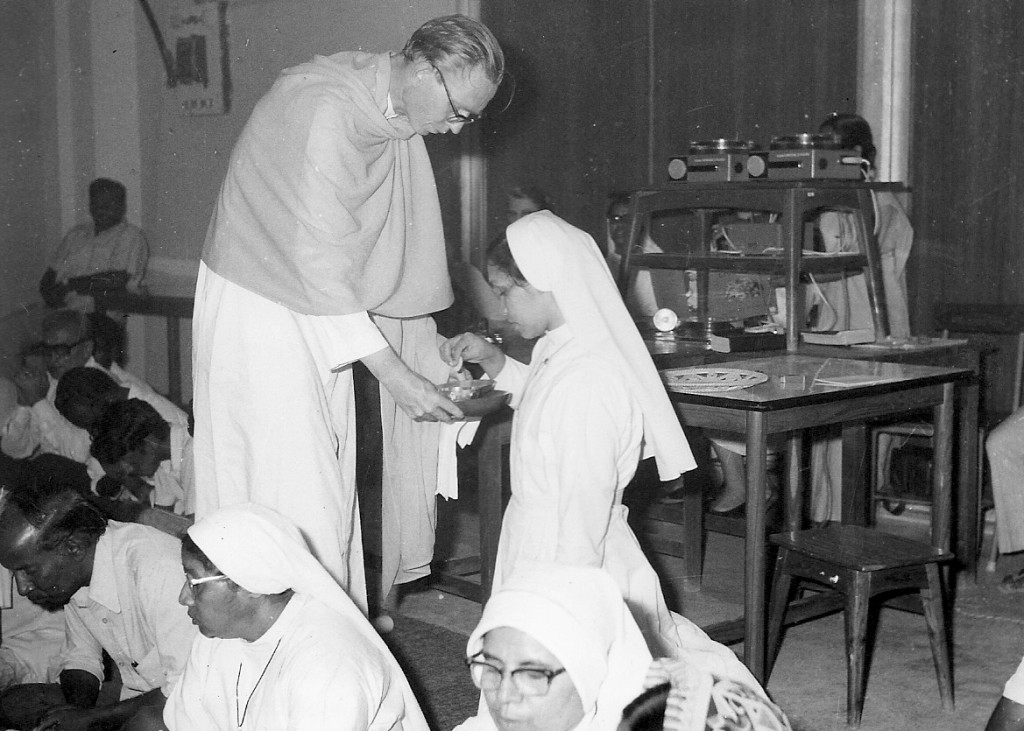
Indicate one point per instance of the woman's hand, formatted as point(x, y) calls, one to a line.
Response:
point(473, 349)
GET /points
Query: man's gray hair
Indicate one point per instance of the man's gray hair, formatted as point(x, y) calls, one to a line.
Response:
point(457, 42)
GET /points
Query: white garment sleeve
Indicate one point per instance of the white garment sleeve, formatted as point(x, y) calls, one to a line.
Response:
point(512, 379)
point(360, 336)
point(44, 428)
point(82, 651)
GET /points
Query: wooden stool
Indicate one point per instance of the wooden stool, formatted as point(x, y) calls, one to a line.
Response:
point(857, 564)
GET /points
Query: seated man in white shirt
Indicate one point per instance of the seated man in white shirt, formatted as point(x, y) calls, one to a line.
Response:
point(32, 637)
point(119, 584)
point(149, 456)
point(70, 340)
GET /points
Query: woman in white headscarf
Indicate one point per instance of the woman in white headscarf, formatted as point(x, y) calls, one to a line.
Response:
point(556, 649)
point(282, 646)
point(588, 406)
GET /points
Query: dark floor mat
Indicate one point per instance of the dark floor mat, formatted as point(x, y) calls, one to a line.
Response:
point(433, 660)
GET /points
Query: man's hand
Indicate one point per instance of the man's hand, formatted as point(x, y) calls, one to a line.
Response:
point(413, 393)
point(474, 349)
point(32, 385)
point(66, 718)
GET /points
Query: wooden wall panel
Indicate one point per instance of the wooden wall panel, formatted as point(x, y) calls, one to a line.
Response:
point(577, 124)
point(585, 120)
point(967, 152)
point(749, 70)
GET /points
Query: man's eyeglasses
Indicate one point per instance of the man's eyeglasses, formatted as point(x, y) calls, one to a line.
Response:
point(456, 116)
point(193, 583)
point(528, 681)
point(57, 351)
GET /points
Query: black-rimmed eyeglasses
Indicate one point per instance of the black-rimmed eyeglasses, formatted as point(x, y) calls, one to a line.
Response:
point(528, 681)
point(456, 116)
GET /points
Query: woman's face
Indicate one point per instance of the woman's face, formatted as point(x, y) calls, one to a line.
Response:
point(214, 607)
point(527, 309)
point(560, 709)
point(519, 207)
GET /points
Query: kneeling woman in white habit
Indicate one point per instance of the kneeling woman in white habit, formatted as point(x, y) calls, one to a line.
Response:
point(282, 646)
point(586, 408)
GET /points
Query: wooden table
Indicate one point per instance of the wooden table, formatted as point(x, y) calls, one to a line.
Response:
point(669, 353)
point(778, 407)
point(172, 308)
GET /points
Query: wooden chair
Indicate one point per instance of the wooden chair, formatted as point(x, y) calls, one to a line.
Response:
point(855, 564)
point(998, 331)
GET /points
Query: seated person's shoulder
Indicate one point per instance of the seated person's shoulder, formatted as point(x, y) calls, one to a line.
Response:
point(139, 544)
point(327, 653)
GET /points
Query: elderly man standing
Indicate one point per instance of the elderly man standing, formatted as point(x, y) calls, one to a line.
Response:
point(118, 583)
point(329, 216)
point(282, 645)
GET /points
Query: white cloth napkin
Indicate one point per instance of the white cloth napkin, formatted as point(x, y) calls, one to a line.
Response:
point(452, 436)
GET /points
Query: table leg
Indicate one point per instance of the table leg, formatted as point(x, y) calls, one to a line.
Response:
point(855, 474)
point(490, 496)
point(942, 469)
point(754, 548)
point(967, 478)
point(794, 480)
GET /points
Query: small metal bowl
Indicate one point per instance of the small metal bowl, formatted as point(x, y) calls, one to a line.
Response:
point(465, 390)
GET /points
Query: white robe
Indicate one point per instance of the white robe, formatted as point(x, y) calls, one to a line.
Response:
point(576, 442)
point(275, 418)
point(311, 670)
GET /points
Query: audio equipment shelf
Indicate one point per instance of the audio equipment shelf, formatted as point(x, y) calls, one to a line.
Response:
point(796, 203)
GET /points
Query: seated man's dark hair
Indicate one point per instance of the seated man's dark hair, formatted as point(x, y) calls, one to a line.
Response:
point(122, 428)
point(852, 130)
point(82, 395)
point(533, 193)
point(107, 185)
point(51, 499)
point(108, 339)
point(646, 712)
point(70, 319)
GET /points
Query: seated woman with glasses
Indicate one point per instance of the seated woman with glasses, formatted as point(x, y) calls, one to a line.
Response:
point(556, 649)
point(282, 646)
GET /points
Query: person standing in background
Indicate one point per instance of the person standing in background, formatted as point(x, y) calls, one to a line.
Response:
point(326, 247)
point(843, 304)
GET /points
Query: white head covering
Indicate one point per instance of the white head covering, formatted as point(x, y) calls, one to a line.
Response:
point(557, 257)
point(263, 552)
point(8, 401)
point(578, 614)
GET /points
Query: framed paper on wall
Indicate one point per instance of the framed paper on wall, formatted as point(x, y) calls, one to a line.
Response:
point(198, 40)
